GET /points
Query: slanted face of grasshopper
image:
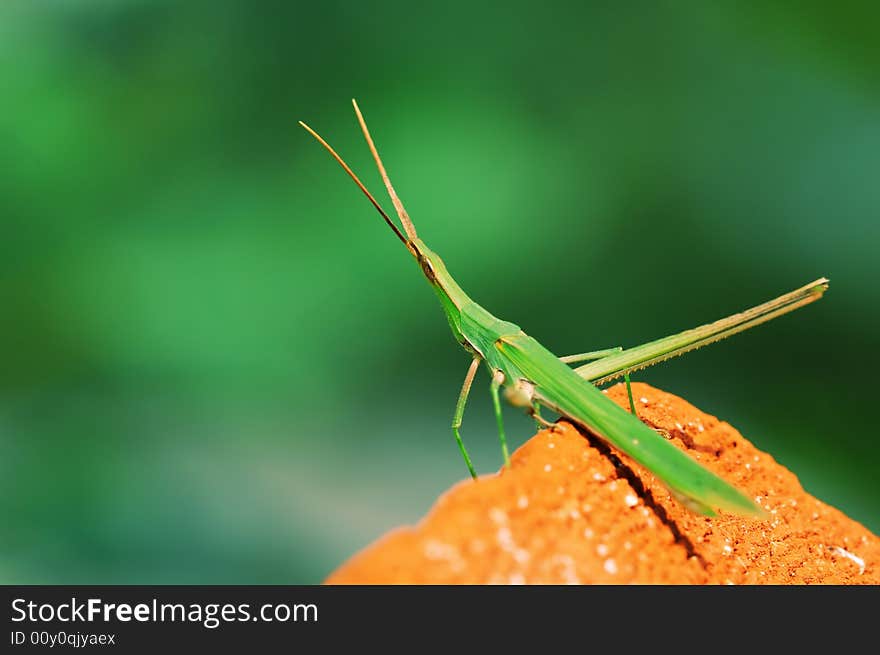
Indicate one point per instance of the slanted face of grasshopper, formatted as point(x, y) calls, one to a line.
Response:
point(531, 376)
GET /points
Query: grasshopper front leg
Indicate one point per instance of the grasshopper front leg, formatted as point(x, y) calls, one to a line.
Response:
point(459, 413)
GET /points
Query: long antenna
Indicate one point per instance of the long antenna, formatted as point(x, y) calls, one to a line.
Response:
point(358, 182)
point(401, 212)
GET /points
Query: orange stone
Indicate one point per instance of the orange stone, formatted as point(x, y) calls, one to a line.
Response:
point(567, 511)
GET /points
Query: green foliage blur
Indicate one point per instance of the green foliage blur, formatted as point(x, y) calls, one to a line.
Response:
point(219, 366)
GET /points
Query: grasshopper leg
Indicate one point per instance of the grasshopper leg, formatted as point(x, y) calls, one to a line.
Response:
point(497, 381)
point(459, 413)
point(592, 355)
point(629, 393)
point(542, 423)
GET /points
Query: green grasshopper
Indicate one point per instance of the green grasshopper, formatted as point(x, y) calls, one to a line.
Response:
point(532, 377)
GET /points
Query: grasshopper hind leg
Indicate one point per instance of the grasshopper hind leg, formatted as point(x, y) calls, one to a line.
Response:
point(592, 356)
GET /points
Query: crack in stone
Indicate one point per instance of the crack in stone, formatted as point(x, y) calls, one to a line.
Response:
point(627, 473)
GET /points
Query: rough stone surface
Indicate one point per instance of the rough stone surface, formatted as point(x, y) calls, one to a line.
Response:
point(567, 512)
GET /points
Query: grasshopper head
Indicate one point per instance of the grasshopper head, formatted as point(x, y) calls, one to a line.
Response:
point(451, 296)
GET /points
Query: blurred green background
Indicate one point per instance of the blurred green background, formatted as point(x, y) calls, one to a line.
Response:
point(218, 366)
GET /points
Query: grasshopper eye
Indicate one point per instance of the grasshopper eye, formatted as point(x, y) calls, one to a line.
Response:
point(427, 269)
